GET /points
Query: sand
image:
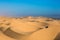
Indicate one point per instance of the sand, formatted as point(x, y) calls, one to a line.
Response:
point(29, 28)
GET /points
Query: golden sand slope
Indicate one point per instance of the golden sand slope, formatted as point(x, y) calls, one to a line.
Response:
point(29, 28)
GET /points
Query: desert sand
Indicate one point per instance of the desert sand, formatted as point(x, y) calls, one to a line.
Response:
point(29, 28)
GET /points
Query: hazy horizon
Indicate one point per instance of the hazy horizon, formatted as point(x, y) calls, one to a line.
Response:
point(48, 8)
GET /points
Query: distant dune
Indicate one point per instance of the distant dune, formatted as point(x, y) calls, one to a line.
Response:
point(29, 28)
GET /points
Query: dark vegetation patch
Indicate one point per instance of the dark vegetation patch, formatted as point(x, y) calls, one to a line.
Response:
point(46, 26)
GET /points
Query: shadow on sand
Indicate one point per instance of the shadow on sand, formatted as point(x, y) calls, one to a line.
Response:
point(12, 34)
point(15, 35)
point(57, 37)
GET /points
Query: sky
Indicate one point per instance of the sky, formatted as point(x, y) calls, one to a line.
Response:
point(30, 8)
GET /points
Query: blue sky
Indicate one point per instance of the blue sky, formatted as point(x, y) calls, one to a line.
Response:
point(30, 7)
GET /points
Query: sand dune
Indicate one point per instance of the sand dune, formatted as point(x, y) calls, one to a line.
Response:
point(29, 28)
